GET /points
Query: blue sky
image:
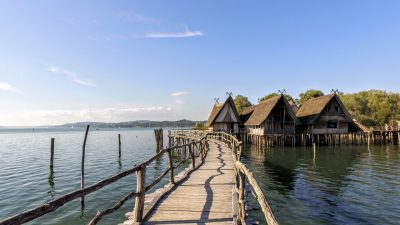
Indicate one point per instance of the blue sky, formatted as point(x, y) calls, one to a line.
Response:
point(165, 60)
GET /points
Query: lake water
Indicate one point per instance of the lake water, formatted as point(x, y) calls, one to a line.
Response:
point(24, 170)
point(342, 185)
point(334, 185)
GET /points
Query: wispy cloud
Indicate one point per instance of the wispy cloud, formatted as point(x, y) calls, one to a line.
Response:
point(8, 88)
point(179, 93)
point(182, 34)
point(138, 18)
point(72, 76)
point(112, 114)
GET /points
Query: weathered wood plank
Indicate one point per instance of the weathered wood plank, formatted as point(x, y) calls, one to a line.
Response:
point(205, 197)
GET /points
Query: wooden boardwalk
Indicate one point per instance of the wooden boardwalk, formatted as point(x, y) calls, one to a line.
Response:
point(205, 197)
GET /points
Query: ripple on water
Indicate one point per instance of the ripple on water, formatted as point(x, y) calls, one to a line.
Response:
point(24, 171)
point(342, 185)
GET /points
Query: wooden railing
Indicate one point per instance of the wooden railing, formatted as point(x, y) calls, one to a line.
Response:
point(198, 140)
point(385, 128)
point(242, 173)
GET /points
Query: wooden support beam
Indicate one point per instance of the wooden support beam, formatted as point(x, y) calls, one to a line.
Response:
point(51, 154)
point(140, 190)
point(83, 164)
point(119, 146)
point(171, 167)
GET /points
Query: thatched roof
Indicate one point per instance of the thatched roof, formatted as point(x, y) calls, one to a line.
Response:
point(295, 108)
point(214, 113)
point(311, 109)
point(218, 108)
point(248, 110)
point(314, 106)
point(361, 126)
point(264, 108)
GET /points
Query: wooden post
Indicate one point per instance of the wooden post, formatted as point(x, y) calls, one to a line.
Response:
point(119, 146)
point(158, 133)
point(140, 189)
point(241, 206)
point(201, 150)
point(191, 150)
point(83, 164)
point(51, 153)
point(171, 167)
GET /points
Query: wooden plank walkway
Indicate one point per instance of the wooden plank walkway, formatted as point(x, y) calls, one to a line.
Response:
point(204, 198)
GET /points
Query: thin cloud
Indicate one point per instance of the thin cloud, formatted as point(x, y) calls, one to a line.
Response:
point(88, 83)
point(138, 18)
point(179, 93)
point(184, 34)
point(72, 76)
point(100, 114)
point(8, 88)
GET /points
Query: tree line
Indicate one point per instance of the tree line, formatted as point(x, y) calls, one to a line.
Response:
point(371, 108)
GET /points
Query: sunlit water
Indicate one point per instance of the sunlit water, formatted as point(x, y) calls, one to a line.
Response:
point(24, 171)
point(341, 185)
point(334, 185)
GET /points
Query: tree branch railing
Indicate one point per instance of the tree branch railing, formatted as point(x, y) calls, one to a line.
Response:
point(199, 140)
point(242, 173)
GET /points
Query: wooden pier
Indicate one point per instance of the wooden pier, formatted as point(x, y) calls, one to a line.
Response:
point(212, 190)
point(205, 197)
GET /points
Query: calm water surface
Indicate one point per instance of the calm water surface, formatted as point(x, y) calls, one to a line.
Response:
point(341, 185)
point(24, 171)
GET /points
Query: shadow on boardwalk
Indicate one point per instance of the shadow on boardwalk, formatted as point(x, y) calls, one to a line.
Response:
point(205, 197)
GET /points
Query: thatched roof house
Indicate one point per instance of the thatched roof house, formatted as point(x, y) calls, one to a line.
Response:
point(246, 113)
point(325, 115)
point(224, 117)
point(272, 116)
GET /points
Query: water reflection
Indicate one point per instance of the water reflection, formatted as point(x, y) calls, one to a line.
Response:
point(328, 185)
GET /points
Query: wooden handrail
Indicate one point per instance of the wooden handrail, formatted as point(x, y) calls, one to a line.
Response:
point(260, 196)
point(57, 203)
point(242, 173)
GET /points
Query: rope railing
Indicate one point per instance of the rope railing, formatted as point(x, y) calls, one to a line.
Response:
point(139, 194)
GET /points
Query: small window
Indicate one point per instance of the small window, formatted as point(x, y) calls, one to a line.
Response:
point(332, 124)
point(337, 108)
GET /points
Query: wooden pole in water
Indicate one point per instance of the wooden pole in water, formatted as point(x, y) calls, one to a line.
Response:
point(140, 198)
point(83, 163)
point(191, 150)
point(119, 146)
point(51, 153)
point(171, 167)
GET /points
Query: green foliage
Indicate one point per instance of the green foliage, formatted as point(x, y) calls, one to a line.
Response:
point(309, 94)
point(268, 96)
point(373, 107)
point(241, 103)
point(200, 126)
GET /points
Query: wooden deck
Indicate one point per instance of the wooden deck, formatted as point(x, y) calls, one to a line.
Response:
point(204, 198)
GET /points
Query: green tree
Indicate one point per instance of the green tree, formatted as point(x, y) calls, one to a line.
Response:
point(241, 102)
point(309, 94)
point(268, 96)
point(373, 107)
point(200, 126)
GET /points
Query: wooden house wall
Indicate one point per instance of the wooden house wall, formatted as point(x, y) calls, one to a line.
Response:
point(278, 122)
point(226, 120)
point(331, 113)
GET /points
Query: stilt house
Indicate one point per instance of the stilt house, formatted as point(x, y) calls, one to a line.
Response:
point(325, 115)
point(224, 117)
point(272, 116)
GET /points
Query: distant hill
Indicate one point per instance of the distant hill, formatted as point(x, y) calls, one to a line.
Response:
point(136, 123)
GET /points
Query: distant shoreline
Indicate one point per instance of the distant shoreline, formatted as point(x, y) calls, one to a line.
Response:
point(128, 124)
